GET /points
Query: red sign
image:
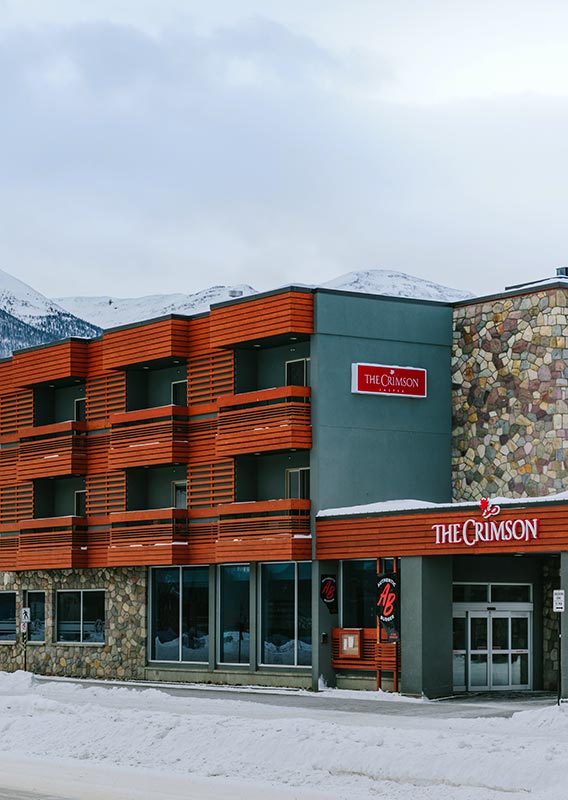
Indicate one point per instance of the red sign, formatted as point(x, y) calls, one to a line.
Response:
point(384, 379)
point(473, 531)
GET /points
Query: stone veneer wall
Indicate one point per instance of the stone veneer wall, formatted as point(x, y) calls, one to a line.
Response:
point(510, 396)
point(123, 654)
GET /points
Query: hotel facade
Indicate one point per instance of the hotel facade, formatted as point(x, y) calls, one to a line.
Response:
point(225, 497)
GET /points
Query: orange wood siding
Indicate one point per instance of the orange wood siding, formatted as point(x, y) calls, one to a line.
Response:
point(147, 437)
point(209, 377)
point(52, 543)
point(158, 536)
point(113, 440)
point(16, 502)
point(368, 654)
point(44, 364)
point(202, 541)
point(146, 342)
point(9, 542)
point(412, 534)
point(106, 493)
point(106, 395)
point(9, 463)
point(211, 484)
point(50, 450)
point(275, 530)
point(16, 411)
point(263, 421)
point(261, 318)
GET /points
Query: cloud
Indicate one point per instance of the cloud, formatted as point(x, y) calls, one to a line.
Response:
point(164, 162)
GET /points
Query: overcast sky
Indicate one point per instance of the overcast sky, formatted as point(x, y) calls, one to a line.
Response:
point(153, 146)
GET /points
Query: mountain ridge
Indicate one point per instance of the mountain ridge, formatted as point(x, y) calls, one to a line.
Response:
point(28, 318)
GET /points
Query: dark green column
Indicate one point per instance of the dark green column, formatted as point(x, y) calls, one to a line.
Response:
point(426, 626)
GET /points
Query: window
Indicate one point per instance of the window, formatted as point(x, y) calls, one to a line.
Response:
point(286, 614)
point(358, 592)
point(80, 405)
point(80, 503)
point(179, 494)
point(298, 372)
point(36, 628)
point(180, 594)
point(298, 483)
point(179, 393)
point(81, 616)
point(234, 611)
point(7, 616)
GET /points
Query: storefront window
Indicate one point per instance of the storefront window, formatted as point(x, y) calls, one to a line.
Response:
point(286, 614)
point(195, 614)
point(81, 616)
point(180, 594)
point(470, 592)
point(36, 603)
point(7, 616)
point(234, 611)
point(510, 593)
point(304, 614)
point(359, 579)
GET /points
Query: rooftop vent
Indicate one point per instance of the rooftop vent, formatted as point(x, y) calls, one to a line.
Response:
point(239, 292)
point(562, 272)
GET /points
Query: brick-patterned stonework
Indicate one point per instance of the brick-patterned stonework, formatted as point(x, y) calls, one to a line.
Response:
point(123, 654)
point(510, 396)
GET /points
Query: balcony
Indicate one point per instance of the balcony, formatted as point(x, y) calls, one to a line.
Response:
point(275, 530)
point(152, 537)
point(52, 543)
point(149, 436)
point(264, 421)
point(52, 450)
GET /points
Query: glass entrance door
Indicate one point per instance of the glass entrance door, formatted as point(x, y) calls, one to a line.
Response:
point(492, 650)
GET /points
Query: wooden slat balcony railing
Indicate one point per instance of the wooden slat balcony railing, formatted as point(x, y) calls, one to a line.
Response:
point(51, 450)
point(275, 530)
point(9, 541)
point(52, 543)
point(264, 421)
point(151, 537)
point(377, 654)
point(367, 659)
point(149, 436)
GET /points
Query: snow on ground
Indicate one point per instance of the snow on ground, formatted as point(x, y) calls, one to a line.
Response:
point(88, 741)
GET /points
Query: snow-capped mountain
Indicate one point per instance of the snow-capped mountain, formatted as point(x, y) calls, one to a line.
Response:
point(395, 284)
point(108, 312)
point(28, 318)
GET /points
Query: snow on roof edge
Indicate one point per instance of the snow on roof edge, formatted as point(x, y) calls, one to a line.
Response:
point(391, 506)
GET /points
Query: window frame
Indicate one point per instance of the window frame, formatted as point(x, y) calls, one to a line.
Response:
point(80, 416)
point(15, 596)
point(27, 602)
point(77, 492)
point(260, 630)
point(82, 641)
point(151, 602)
point(172, 392)
point(218, 631)
point(301, 483)
point(306, 362)
point(175, 486)
point(342, 594)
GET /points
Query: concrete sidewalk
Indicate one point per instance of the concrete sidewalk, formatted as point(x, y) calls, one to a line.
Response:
point(486, 704)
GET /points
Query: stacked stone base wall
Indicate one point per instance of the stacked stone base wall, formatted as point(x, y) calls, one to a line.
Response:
point(123, 653)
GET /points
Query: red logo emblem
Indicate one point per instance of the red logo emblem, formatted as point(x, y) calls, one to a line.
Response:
point(487, 509)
